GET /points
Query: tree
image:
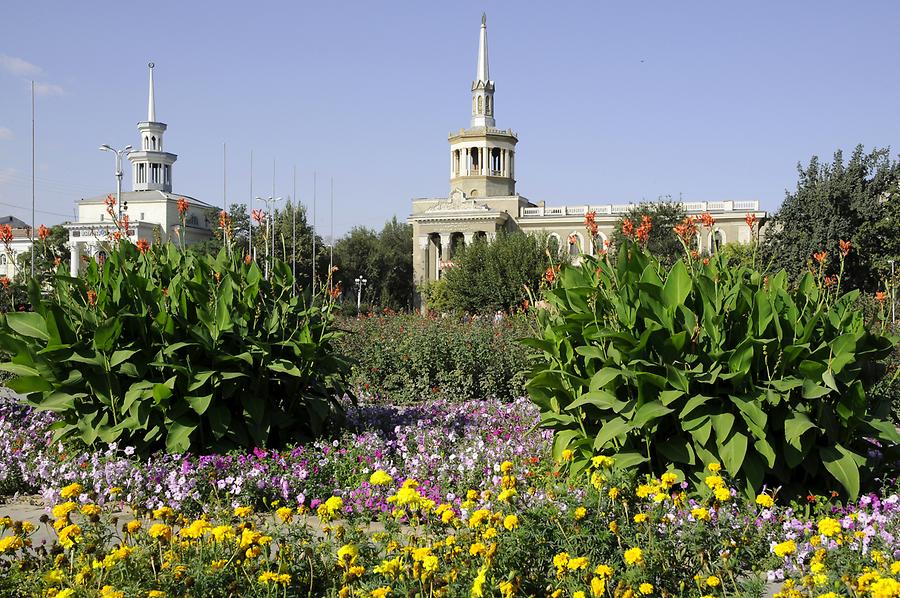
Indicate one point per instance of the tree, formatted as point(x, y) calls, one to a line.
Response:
point(486, 277)
point(383, 258)
point(858, 202)
point(664, 215)
point(52, 249)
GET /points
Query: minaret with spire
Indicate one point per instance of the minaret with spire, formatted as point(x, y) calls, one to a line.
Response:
point(151, 167)
point(482, 157)
point(482, 86)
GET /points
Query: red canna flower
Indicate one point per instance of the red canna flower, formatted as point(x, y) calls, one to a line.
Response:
point(110, 202)
point(247, 259)
point(707, 219)
point(224, 219)
point(750, 219)
point(686, 230)
point(830, 281)
point(183, 206)
point(845, 247)
point(880, 296)
point(820, 256)
point(126, 225)
point(92, 298)
point(143, 245)
point(57, 261)
point(4, 281)
point(43, 232)
point(706, 261)
point(550, 275)
point(6, 233)
point(628, 228)
point(590, 222)
point(335, 291)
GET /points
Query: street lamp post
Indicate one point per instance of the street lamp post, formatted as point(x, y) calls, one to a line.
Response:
point(270, 201)
point(360, 283)
point(118, 153)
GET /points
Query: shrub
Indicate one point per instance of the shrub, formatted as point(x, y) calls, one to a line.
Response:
point(408, 357)
point(159, 348)
point(711, 364)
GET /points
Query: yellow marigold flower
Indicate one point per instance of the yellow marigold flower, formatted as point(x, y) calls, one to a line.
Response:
point(700, 514)
point(604, 571)
point(578, 594)
point(714, 467)
point(895, 568)
point(66, 593)
point(506, 467)
point(477, 549)
point(785, 548)
point(713, 581)
point(505, 495)
point(602, 462)
point(634, 556)
point(347, 554)
point(285, 514)
point(511, 522)
point(27, 527)
point(885, 587)
point(110, 592)
point(722, 494)
point(163, 513)
point(644, 490)
point(613, 493)
point(566, 455)
point(579, 513)
point(614, 527)
point(195, 530)
point(478, 517)
point(381, 592)
point(490, 533)
point(62, 510)
point(69, 536)
point(646, 588)
point(91, 509)
point(133, 526)
point(829, 527)
point(156, 594)
point(668, 479)
point(714, 481)
point(71, 491)
point(243, 511)
point(160, 530)
point(10, 543)
point(765, 500)
point(331, 507)
point(448, 516)
point(561, 560)
point(478, 583)
point(597, 480)
point(827, 595)
point(641, 517)
point(267, 577)
point(471, 494)
point(221, 533)
point(380, 478)
point(598, 587)
point(60, 523)
point(577, 563)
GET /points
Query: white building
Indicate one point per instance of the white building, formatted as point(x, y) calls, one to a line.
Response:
point(19, 244)
point(151, 207)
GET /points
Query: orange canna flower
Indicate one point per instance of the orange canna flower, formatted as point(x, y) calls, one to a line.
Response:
point(4, 281)
point(845, 247)
point(707, 219)
point(247, 259)
point(686, 229)
point(820, 256)
point(110, 202)
point(126, 225)
point(628, 228)
point(880, 296)
point(335, 291)
point(258, 215)
point(6, 233)
point(92, 298)
point(57, 261)
point(750, 219)
point(143, 245)
point(590, 222)
point(183, 206)
point(550, 275)
point(43, 232)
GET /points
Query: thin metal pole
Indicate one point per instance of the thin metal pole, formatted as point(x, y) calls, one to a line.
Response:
point(314, 235)
point(294, 230)
point(331, 244)
point(272, 217)
point(32, 180)
point(893, 295)
point(250, 211)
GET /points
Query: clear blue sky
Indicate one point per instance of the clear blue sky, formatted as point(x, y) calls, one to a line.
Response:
point(613, 102)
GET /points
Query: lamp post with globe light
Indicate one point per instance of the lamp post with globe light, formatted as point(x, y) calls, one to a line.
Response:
point(118, 153)
point(360, 283)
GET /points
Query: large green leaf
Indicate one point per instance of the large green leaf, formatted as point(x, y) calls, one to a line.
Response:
point(841, 463)
point(678, 285)
point(28, 324)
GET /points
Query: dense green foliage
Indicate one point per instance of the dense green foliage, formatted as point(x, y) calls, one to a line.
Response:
point(711, 363)
point(500, 275)
point(177, 350)
point(664, 215)
point(407, 357)
point(858, 201)
point(383, 258)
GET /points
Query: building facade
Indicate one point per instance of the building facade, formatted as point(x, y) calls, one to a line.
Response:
point(18, 243)
point(483, 199)
point(151, 206)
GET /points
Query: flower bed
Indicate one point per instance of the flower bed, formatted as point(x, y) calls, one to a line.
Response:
point(469, 504)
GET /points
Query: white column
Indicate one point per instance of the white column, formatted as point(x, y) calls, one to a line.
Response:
point(467, 237)
point(491, 235)
point(74, 256)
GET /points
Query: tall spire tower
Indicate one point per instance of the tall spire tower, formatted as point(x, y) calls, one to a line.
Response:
point(151, 167)
point(483, 87)
point(482, 157)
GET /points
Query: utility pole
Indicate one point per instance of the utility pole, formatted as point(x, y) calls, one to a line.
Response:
point(294, 230)
point(331, 245)
point(314, 236)
point(32, 180)
point(250, 212)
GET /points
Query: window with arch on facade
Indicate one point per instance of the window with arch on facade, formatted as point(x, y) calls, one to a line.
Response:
point(553, 244)
point(574, 245)
point(473, 193)
point(487, 104)
point(479, 105)
point(716, 241)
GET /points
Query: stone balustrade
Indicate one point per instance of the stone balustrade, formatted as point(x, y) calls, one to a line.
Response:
point(693, 207)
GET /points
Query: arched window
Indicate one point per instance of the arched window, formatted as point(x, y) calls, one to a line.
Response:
point(553, 244)
point(575, 242)
point(599, 244)
point(716, 240)
point(473, 193)
point(479, 105)
point(2, 260)
point(153, 141)
point(487, 104)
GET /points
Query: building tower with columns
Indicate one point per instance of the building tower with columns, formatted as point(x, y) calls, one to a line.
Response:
point(151, 206)
point(483, 198)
